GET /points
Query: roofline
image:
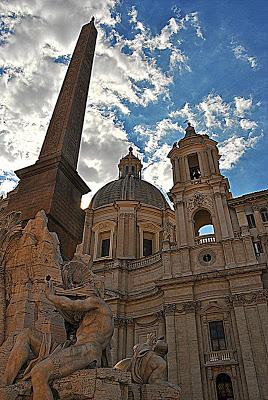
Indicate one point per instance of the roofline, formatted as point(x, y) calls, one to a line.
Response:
point(249, 196)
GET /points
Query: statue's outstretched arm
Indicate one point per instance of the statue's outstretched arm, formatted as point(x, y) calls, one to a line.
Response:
point(66, 304)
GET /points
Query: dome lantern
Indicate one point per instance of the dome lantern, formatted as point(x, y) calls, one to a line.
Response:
point(130, 165)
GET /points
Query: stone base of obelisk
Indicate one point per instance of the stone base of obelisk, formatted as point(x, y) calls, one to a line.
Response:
point(94, 384)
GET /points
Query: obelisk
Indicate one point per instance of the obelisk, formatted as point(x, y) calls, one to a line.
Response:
point(52, 183)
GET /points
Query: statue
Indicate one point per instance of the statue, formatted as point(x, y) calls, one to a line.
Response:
point(148, 365)
point(80, 305)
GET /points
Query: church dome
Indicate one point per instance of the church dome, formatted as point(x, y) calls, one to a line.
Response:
point(129, 186)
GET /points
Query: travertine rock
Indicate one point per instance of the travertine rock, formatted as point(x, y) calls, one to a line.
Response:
point(90, 384)
point(28, 256)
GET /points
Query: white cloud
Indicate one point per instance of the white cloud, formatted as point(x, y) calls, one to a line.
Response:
point(158, 169)
point(241, 53)
point(234, 148)
point(242, 105)
point(8, 182)
point(156, 132)
point(185, 113)
point(246, 124)
point(213, 106)
point(178, 59)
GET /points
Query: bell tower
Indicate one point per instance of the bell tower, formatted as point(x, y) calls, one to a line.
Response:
point(200, 194)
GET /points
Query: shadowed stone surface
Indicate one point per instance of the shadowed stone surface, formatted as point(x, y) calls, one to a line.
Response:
point(93, 384)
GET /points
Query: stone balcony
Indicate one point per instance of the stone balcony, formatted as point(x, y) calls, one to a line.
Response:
point(126, 264)
point(205, 239)
point(220, 357)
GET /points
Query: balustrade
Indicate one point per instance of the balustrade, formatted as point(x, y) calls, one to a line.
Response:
point(217, 357)
point(205, 239)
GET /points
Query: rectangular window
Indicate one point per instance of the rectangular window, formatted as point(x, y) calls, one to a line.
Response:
point(257, 248)
point(251, 221)
point(147, 247)
point(105, 247)
point(217, 336)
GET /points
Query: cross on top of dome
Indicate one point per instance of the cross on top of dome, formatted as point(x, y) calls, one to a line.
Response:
point(190, 131)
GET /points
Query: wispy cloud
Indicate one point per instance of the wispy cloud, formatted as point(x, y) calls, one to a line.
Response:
point(234, 148)
point(241, 53)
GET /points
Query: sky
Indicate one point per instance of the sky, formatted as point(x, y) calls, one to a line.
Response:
point(158, 63)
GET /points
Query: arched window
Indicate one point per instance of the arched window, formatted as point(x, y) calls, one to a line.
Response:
point(224, 387)
point(264, 214)
point(203, 223)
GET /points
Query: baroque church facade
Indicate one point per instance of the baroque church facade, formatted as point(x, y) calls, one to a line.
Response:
point(205, 291)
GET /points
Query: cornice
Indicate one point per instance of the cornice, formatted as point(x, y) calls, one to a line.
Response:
point(225, 273)
point(248, 197)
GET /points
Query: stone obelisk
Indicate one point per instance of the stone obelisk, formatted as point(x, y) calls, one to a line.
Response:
point(52, 183)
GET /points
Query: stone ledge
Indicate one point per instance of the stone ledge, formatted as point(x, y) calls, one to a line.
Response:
point(91, 384)
point(95, 384)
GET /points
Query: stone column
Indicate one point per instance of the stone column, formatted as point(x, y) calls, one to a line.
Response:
point(132, 235)
point(201, 164)
point(228, 253)
point(227, 217)
point(122, 338)
point(190, 309)
point(180, 223)
point(177, 171)
point(211, 162)
point(249, 249)
point(216, 162)
point(169, 310)
point(87, 231)
point(246, 349)
point(115, 339)
point(203, 155)
point(182, 169)
point(184, 371)
point(259, 224)
point(130, 337)
point(120, 235)
point(187, 170)
point(161, 324)
point(221, 215)
point(174, 172)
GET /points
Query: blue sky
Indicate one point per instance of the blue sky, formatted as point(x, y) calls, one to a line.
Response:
point(157, 64)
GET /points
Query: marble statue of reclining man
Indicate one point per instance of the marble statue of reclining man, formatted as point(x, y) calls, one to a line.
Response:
point(93, 336)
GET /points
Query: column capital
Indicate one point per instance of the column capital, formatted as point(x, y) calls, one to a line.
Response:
point(170, 308)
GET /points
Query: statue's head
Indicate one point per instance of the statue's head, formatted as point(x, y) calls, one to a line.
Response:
point(79, 278)
point(161, 347)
